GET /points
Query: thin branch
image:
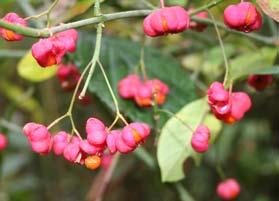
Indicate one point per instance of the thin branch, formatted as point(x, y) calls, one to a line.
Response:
point(94, 60)
point(12, 53)
point(205, 7)
point(257, 37)
point(41, 33)
point(227, 74)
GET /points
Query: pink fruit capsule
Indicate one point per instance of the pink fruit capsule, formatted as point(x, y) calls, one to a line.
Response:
point(46, 54)
point(228, 189)
point(243, 17)
point(29, 127)
point(3, 142)
point(166, 20)
point(127, 87)
point(94, 124)
point(71, 152)
point(60, 141)
point(241, 103)
point(68, 38)
point(121, 146)
point(200, 139)
point(88, 148)
point(39, 133)
point(111, 142)
point(135, 133)
point(260, 82)
point(68, 76)
point(97, 138)
point(42, 146)
point(9, 35)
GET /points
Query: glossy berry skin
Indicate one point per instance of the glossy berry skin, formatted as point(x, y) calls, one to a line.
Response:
point(127, 86)
point(111, 141)
point(239, 103)
point(228, 189)
point(149, 91)
point(227, 107)
point(120, 144)
point(60, 142)
point(68, 38)
point(260, 82)
point(197, 26)
point(39, 137)
point(68, 76)
point(243, 17)
point(128, 139)
point(3, 142)
point(165, 21)
point(9, 35)
point(96, 132)
point(50, 51)
point(93, 162)
point(218, 98)
point(135, 133)
point(200, 139)
point(72, 151)
point(88, 148)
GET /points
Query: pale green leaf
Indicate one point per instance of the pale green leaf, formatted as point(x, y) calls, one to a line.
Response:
point(252, 62)
point(29, 69)
point(174, 145)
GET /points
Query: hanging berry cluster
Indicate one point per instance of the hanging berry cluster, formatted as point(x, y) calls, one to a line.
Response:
point(87, 151)
point(50, 51)
point(227, 106)
point(143, 93)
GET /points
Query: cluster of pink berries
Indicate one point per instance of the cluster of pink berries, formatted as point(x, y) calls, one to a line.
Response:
point(167, 20)
point(50, 51)
point(47, 51)
point(3, 142)
point(243, 17)
point(227, 106)
point(228, 189)
point(90, 150)
point(143, 93)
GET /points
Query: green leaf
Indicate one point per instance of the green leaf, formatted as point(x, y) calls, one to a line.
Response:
point(270, 70)
point(252, 62)
point(174, 145)
point(120, 57)
point(209, 62)
point(29, 69)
